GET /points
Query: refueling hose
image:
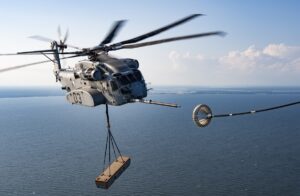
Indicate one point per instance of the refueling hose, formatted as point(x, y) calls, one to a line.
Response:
point(255, 111)
point(202, 114)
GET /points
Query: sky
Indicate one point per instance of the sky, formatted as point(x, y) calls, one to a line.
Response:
point(261, 48)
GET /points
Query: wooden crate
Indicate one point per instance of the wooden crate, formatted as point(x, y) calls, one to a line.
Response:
point(105, 180)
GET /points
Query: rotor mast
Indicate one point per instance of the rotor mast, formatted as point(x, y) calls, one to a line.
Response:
point(57, 64)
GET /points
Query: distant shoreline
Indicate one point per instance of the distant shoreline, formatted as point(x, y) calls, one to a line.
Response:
point(18, 92)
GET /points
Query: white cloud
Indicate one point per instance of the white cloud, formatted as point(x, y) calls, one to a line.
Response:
point(184, 60)
point(275, 64)
point(274, 57)
point(282, 51)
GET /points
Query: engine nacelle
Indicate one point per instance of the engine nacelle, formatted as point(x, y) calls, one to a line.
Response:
point(87, 70)
point(86, 97)
point(91, 74)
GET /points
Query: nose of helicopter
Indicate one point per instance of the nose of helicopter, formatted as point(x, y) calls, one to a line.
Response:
point(138, 90)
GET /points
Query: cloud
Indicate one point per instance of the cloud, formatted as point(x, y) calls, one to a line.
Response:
point(274, 57)
point(274, 64)
point(182, 60)
point(282, 51)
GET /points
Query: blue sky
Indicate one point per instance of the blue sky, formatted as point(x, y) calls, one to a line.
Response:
point(262, 47)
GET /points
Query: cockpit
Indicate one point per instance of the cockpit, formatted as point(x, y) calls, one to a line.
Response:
point(129, 85)
point(125, 79)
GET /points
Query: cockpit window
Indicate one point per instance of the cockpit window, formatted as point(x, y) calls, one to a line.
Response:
point(113, 85)
point(131, 78)
point(124, 80)
point(138, 75)
point(125, 91)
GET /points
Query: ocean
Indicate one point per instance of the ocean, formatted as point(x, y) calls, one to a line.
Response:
point(50, 147)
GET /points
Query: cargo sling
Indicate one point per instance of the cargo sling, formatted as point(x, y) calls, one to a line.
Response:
point(110, 142)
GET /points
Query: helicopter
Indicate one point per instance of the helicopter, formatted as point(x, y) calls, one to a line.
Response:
point(103, 79)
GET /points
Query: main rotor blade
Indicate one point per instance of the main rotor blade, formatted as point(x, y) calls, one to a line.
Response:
point(45, 39)
point(31, 64)
point(23, 66)
point(34, 52)
point(59, 33)
point(157, 31)
point(66, 36)
point(41, 38)
point(113, 32)
point(74, 47)
point(130, 46)
point(43, 52)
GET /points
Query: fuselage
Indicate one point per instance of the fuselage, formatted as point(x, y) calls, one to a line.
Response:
point(104, 80)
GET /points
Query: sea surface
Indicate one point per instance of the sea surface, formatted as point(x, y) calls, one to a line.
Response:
point(50, 147)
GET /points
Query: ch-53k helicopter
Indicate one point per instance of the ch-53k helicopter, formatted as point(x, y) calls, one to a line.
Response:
point(103, 79)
